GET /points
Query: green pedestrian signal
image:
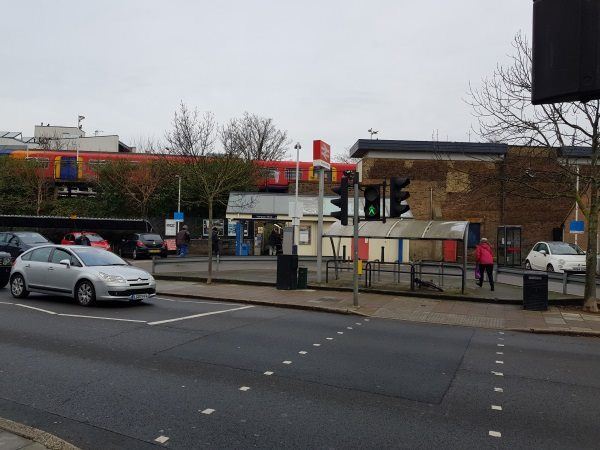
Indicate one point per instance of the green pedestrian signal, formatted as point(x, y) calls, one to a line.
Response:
point(372, 210)
point(372, 195)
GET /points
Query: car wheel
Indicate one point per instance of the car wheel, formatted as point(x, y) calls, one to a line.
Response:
point(527, 265)
point(17, 286)
point(85, 294)
point(550, 268)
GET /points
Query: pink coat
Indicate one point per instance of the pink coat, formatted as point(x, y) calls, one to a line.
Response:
point(484, 254)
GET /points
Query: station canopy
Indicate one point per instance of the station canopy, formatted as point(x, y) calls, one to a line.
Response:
point(403, 229)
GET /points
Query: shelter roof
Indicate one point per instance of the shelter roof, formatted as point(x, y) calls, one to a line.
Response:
point(403, 229)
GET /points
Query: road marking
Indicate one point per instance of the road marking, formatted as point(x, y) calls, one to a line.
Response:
point(268, 373)
point(161, 439)
point(316, 345)
point(101, 318)
point(366, 320)
point(500, 339)
point(499, 353)
point(6, 303)
point(302, 352)
point(501, 332)
point(208, 411)
point(191, 301)
point(499, 362)
point(497, 407)
point(340, 332)
point(329, 339)
point(287, 362)
point(358, 323)
point(244, 388)
point(497, 389)
point(36, 309)
point(495, 434)
point(349, 328)
point(498, 374)
point(500, 345)
point(160, 322)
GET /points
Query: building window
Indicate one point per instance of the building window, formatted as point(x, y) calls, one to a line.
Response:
point(474, 234)
point(328, 176)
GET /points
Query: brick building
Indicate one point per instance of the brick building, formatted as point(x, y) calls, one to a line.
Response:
point(466, 181)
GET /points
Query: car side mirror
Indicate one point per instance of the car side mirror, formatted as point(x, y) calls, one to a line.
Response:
point(543, 252)
point(66, 262)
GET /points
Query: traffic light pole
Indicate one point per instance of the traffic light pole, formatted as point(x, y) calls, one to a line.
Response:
point(355, 240)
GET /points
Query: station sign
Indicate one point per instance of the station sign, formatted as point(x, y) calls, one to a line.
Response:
point(321, 154)
point(170, 227)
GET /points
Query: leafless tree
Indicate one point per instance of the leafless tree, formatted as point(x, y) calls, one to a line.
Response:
point(254, 138)
point(502, 105)
point(148, 144)
point(192, 133)
point(56, 143)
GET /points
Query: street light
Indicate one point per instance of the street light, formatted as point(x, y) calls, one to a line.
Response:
point(178, 200)
point(296, 220)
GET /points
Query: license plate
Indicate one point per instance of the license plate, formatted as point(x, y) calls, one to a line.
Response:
point(154, 251)
point(138, 296)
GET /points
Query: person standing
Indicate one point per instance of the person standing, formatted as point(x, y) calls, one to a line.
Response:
point(484, 256)
point(273, 241)
point(215, 241)
point(182, 240)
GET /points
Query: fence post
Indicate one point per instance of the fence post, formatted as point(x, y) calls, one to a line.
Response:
point(565, 281)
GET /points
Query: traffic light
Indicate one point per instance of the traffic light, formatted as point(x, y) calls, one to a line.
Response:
point(397, 196)
point(372, 202)
point(342, 202)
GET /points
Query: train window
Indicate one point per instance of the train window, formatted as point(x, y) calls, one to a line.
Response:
point(290, 174)
point(328, 177)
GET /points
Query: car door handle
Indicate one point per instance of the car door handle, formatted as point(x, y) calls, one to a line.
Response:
point(50, 268)
point(27, 266)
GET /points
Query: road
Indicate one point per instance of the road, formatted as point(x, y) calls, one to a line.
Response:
point(191, 374)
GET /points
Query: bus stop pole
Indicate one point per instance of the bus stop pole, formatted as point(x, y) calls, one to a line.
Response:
point(355, 240)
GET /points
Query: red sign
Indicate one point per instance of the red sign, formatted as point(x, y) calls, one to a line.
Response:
point(171, 245)
point(321, 154)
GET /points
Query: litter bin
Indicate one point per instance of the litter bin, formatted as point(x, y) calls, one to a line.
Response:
point(287, 271)
point(535, 291)
point(302, 277)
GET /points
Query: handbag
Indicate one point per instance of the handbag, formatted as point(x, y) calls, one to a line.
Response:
point(477, 272)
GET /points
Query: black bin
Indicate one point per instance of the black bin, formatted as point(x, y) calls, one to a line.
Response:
point(535, 291)
point(302, 277)
point(287, 272)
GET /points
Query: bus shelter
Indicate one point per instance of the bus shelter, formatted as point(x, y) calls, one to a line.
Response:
point(410, 229)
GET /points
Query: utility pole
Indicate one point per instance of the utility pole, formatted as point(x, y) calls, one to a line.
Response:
point(355, 240)
point(178, 201)
point(296, 221)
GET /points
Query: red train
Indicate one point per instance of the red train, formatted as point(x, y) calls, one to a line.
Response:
point(65, 167)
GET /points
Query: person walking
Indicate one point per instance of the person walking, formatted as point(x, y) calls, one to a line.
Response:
point(484, 256)
point(215, 241)
point(182, 240)
point(273, 241)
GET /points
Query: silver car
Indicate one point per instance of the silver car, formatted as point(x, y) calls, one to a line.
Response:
point(85, 273)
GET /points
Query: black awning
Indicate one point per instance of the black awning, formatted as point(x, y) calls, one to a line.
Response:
point(74, 223)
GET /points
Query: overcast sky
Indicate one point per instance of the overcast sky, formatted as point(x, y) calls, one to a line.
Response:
point(327, 69)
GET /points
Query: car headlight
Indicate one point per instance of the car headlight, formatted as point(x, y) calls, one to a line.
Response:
point(6, 261)
point(561, 261)
point(112, 278)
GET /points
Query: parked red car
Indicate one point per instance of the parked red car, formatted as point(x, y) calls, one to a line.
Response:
point(80, 237)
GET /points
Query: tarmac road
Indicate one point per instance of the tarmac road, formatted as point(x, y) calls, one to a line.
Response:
point(192, 374)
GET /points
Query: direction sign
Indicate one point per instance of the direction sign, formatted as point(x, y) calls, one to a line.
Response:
point(178, 216)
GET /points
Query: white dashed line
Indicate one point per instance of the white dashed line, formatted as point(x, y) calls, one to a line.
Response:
point(499, 353)
point(329, 339)
point(340, 332)
point(500, 345)
point(495, 434)
point(358, 323)
point(101, 318)
point(6, 303)
point(497, 389)
point(287, 362)
point(303, 352)
point(498, 374)
point(501, 332)
point(500, 339)
point(497, 408)
point(316, 345)
point(499, 362)
point(36, 309)
point(366, 320)
point(161, 439)
point(349, 328)
point(160, 322)
point(244, 388)
point(268, 373)
point(208, 411)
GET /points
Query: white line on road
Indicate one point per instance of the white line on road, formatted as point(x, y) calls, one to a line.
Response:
point(161, 439)
point(316, 345)
point(349, 328)
point(499, 362)
point(244, 388)
point(302, 352)
point(101, 318)
point(497, 389)
point(358, 323)
point(287, 362)
point(495, 434)
point(500, 339)
point(208, 411)
point(501, 332)
point(340, 332)
point(498, 374)
point(500, 345)
point(329, 339)
point(497, 407)
point(499, 353)
point(6, 303)
point(191, 301)
point(366, 320)
point(160, 322)
point(268, 373)
point(37, 309)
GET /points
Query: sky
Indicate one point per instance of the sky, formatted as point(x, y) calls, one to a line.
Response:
point(325, 69)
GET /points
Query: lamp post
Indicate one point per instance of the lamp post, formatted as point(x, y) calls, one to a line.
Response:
point(296, 220)
point(178, 200)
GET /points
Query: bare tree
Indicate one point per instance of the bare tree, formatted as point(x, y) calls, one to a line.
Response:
point(148, 144)
point(254, 138)
point(56, 143)
point(503, 108)
point(192, 133)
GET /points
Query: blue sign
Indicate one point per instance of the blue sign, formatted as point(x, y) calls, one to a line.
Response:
point(178, 216)
point(576, 226)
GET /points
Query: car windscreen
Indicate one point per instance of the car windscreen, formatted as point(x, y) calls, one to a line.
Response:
point(95, 257)
point(563, 248)
point(32, 238)
point(150, 237)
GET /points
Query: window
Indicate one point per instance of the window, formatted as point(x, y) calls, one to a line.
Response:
point(41, 254)
point(42, 163)
point(60, 254)
point(290, 174)
point(563, 248)
point(3, 237)
point(543, 247)
point(474, 234)
point(327, 176)
point(32, 238)
point(96, 163)
point(26, 256)
point(96, 257)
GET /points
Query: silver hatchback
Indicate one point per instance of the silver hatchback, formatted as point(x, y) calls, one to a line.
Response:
point(85, 273)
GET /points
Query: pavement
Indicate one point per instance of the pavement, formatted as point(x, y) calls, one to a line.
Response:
point(187, 374)
point(563, 320)
point(17, 436)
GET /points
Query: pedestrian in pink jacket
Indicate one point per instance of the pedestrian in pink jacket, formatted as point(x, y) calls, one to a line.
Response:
point(484, 256)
